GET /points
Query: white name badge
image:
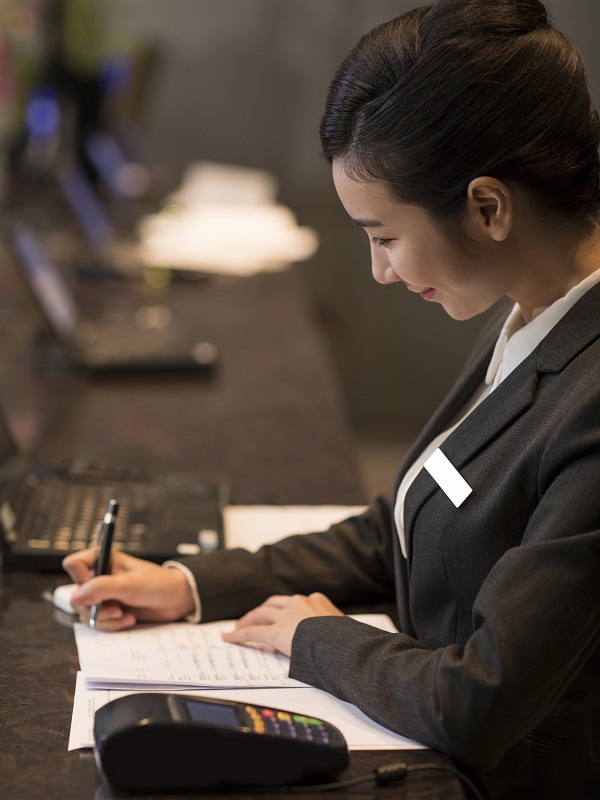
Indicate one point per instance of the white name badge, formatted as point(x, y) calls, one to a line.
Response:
point(447, 477)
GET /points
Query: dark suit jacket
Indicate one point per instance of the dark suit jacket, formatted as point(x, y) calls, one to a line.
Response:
point(498, 659)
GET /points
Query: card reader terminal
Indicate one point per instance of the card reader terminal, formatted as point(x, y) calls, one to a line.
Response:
point(155, 742)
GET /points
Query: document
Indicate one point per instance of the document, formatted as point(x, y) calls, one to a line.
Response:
point(175, 654)
point(193, 659)
point(181, 654)
point(252, 526)
point(360, 732)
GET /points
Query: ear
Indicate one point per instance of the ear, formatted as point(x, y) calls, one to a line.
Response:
point(489, 210)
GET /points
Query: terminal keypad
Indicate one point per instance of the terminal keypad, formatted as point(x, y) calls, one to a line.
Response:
point(291, 726)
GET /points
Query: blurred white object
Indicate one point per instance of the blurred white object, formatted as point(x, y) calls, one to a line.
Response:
point(225, 219)
point(213, 182)
point(230, 238)
point(61, 597)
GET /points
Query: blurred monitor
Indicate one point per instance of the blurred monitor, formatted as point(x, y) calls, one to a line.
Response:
point(147, 338)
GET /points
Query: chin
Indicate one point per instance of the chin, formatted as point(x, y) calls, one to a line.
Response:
point(461, 313)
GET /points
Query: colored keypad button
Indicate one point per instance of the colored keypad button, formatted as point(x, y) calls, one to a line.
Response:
point(307, 720)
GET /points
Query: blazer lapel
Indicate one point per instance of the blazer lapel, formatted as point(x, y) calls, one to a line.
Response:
point(493, 415)
point(573, 333)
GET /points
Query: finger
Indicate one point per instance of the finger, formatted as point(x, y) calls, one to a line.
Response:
point(322, 605)
point(281, 600)
point(251, 636)
point(263, 615)
point(266, 648)
point(276, 601)
point(80, 565)
point(100, 589)
point(110, 617)
point(126, 620)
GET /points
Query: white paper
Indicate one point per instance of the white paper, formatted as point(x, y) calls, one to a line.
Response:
point(176, 654)
point(253, 526)
point(182, 654)
point(360, 732)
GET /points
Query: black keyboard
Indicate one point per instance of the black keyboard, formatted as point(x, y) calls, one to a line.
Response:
point(64, 518)
point(42, 521)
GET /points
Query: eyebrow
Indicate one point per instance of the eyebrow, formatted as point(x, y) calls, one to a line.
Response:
point(368, 223)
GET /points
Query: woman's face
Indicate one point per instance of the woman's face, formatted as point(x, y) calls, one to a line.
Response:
point(407, 247)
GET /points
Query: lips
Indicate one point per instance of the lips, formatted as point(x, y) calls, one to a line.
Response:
point(426, 294)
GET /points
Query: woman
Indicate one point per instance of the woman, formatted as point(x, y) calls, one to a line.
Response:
point(463, 140)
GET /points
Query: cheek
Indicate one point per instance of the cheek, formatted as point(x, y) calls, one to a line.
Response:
point(412, 261)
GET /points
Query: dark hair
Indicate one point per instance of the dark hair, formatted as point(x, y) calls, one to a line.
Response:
point(442, 94)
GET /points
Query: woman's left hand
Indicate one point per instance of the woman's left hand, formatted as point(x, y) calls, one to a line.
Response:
point(272, 625)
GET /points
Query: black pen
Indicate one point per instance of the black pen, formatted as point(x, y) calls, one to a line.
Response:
point(106, 536)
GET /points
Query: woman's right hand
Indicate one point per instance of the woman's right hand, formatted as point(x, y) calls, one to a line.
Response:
point(134, 591)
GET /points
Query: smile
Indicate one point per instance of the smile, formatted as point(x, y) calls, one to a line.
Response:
point(426, 294)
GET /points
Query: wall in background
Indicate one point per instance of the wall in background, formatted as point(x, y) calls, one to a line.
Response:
point(244, 81)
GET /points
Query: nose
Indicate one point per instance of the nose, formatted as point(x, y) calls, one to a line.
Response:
point(381, 268)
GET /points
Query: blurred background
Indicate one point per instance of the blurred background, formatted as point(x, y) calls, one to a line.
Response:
point(242, 83)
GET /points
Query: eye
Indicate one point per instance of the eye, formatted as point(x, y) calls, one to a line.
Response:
point(376, 240)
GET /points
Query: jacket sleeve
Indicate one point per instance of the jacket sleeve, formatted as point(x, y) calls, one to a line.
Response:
point(352, 563)
point(536, 628)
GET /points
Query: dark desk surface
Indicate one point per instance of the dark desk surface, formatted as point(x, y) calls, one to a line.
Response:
point(270, 420)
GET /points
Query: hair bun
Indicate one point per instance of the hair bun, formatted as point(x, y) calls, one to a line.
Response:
point(462, 88)
point(450, 19)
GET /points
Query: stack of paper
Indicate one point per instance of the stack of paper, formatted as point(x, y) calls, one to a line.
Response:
point(175, 655)
point(194, 659)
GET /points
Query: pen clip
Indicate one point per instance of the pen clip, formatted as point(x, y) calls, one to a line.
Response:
point(96, 542)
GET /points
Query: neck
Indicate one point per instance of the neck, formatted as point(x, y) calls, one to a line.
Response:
point(551, 266)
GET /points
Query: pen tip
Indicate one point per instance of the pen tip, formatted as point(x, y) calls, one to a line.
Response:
point(113, 506)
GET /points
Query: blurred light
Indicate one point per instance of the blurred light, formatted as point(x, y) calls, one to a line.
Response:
point(115, 73)
point(157, 316)
point(170, 208)
point(123, 178)
point(132, 180)
point(158, 277)
point(43, 115)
